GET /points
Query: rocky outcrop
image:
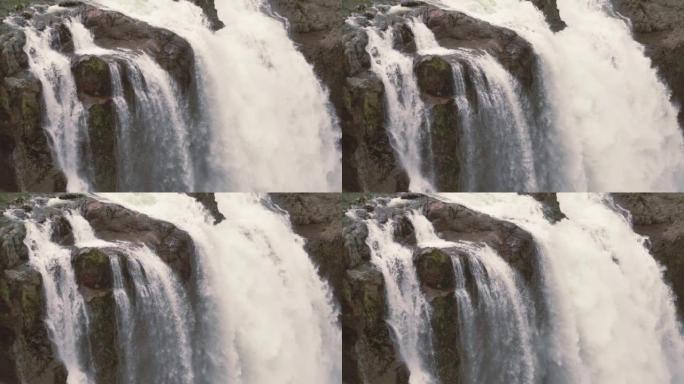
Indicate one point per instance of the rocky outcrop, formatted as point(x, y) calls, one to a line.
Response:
point(211, 13)
point(552, 14)
point(657, 24)
point(208, 201)
point(660, 217)
point(27, 354)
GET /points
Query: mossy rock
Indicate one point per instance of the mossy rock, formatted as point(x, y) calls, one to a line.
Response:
point(92, 268)
point(93, 77)
point(104, 337)
point(13, 251)
point(445, 338)
point(103, 145)
point(435, 76)
point(446, 138)
point(435, 268)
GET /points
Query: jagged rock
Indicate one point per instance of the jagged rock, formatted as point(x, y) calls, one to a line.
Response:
point(434, 267)
point(435, 76)
point(113, 222)
point(550, 205)
point(404, 232)
point(26, 352)
point(661, 218)
point(13, 251)
point(92, 267)
point(657, 24)
point(62, 233)
point(552, 14)
point(368, 355)
point(211, 13)
point(102, 135)
point(208, 200)
point(24, 149)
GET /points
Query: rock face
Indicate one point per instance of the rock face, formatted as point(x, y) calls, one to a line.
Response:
point(657, 24)
point(550, 9)
point(27, 354)
point(661, 218)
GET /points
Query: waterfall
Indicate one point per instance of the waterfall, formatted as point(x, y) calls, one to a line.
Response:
point(267, 305)
point(611, 317)
point(496, 127)
point(406, 112)
point(496, 334)
point(152, 316)
point(218, 135)
point(251, 110)
point(612, 125)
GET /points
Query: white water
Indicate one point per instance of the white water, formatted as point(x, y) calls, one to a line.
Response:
point(613, 127)
point(407, 117)
point(496, 130)
point(258, 95)
point(409, 311)
point(611, 316)
point(272, 319)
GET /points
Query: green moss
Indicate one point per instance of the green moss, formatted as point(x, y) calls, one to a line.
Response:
point(444, 129)
point(92, 269)
point(104, 336)
point(445, 338)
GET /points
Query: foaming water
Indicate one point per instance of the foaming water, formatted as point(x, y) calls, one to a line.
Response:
point(611, 315)
point(253, 269)
point(613, 125)
point(273, 105)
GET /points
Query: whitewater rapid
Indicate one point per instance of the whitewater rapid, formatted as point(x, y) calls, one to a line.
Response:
point(223, 138)
point(612, 317)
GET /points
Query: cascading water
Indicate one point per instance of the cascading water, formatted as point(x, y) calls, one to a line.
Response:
point(221, 138)
point(611, 317)
point(246, 121)
point(253, 270)
point(495, 317)
point(496, 126)
point(613, 127)
point(152, 316)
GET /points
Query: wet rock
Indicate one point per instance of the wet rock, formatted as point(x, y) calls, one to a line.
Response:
point(208, 201)
point(369, 355)
point(454, 222)
point(115, 30)
point(550, 205)
point(104, 336)
point(457, 30)
point(445, 338)
point(434, 267)
point(13, 251)
point(552, 14)
point(404, 232)
point(435, 76)
point(446, 143)
point(62, 233)
point(102, 135)
point(26, 352)
point(92, 76)
point(211, 13)
point(113, 222)
point(92, 267)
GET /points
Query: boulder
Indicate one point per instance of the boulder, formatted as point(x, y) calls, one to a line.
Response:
point(93, 77)
point(552, 14)
point(92, 267)
point(113, 222)
point(434, 268)
point(211, 13)
point(102, 135)
point(208, 201)
point(435, 76)
point(13, 251)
